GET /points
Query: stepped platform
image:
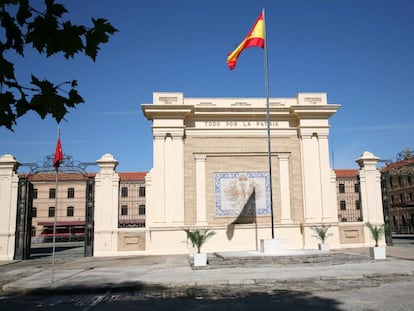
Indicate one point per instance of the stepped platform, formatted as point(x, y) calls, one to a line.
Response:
point(248, 259)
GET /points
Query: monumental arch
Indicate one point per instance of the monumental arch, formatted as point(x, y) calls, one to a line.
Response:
point(211, 170)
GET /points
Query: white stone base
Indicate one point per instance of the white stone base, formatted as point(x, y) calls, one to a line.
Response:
point(272, 246)
point(377, 252)
point(200, 259)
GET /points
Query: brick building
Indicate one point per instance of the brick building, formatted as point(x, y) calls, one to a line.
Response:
point(397, 182)
point(71, 204)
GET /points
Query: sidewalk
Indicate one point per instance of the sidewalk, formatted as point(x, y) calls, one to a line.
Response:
point(80, 275)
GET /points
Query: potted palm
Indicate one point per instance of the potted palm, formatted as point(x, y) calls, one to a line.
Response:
point(376, 252)
point(322, 235)
point(198, 237)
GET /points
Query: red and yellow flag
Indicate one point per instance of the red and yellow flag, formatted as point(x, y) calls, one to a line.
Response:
point(255, 37)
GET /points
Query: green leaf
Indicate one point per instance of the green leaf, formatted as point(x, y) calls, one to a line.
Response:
point(7, 116)
point(74, 98)
point(54, 9)
point(23, 13)
point(22, 106)
point(6, 69)
point(70, 39)
point(97, 35)
point(14, 36)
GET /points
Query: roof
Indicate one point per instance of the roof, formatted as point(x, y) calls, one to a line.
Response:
point(402, 163)
point(346, 172)
point(132, 175)
point(51, 176)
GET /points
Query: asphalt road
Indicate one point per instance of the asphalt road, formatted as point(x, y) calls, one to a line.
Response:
point(388, 296)
point(367, 294)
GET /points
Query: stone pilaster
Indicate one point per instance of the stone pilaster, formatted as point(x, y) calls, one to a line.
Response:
point(106, 207)
point(286, 212)
point(201, 216)
point(8, 205)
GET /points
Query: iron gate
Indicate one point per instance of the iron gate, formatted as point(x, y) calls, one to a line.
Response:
point(89, 224)
point(24, 220)
point(25, 203)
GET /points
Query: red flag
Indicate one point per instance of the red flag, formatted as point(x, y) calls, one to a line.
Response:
point(58, 154)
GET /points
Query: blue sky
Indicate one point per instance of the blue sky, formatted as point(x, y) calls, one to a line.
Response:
point(360, 52)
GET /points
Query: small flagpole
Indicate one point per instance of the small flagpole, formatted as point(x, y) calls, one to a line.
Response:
point(54, 220)
point(269, 147)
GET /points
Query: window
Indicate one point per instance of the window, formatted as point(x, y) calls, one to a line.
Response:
point(141, 210)
point(52, 193)
point(124, 192)
point(71, 193)
point(358, 204)
point(341, 188)
point(34, 193)
point(124, 210)
point(34, 212)
point(342, 205)
point(401, 198)
point(410, 195)
point(392, 199)
point(70, 211)
point(142, 191)
point(356, 187)
point(391, 185)
point(409, 181)
point(400, 181)
point(51, 211)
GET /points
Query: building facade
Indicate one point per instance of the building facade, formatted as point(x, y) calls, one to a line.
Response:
point(70, 199)
point(211, 170)
point(398, 195)
point(348, 194)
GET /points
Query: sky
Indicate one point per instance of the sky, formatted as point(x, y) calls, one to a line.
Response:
point(360, 52)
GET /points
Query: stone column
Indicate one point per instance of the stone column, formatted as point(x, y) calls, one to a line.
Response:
point(174, 178)
point(329, 210)
point(106, 207)
point(312, 199)
point(157, 195)
point(286, 212)
point(201, 216)
point(370, 187)
point(8, 205)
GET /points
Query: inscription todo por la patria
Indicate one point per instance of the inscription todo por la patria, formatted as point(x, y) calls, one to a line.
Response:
point(251, 124)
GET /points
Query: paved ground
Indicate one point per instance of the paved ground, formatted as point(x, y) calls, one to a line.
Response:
point(170, 280)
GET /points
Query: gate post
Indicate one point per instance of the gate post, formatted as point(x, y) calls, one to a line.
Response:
point(371, 199)
point(8, 205)
point(106, 207)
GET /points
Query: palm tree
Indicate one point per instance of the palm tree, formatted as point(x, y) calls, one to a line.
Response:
point(321, 232)
point(376, 231)
point(198, 237)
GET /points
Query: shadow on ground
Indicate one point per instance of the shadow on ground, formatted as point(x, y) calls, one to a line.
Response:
point(136, 296)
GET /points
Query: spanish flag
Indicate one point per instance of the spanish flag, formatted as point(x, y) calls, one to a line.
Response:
point(255, 37)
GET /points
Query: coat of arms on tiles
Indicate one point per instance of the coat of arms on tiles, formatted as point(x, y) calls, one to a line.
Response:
point(242, 192)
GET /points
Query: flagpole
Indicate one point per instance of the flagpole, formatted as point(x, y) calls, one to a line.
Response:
point(269, 147)
point(54, 219)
